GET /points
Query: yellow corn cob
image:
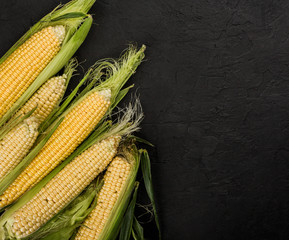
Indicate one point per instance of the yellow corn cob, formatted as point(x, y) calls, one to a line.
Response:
point(45, 99)
point(75, 127)
point(64, 187)
point(16, 144)
point(114, 181)
point(22, 67)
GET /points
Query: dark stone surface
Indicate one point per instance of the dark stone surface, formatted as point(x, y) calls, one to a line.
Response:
point(214, 90)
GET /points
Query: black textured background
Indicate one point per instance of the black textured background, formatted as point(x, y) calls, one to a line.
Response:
point(215, 92)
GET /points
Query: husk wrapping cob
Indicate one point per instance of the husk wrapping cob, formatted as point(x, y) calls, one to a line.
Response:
point(71, 24)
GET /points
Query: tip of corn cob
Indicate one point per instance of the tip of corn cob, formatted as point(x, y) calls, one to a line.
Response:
point(32, 123)
point(59, 32)
point(16, 144)
point(114, 141)
point(106, 94)
point(59, 82)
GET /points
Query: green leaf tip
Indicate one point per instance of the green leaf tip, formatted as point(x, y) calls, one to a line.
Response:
point(147, 176)
point(77, 6)
point(118, 72)
point(69, 16)
point(127, 223)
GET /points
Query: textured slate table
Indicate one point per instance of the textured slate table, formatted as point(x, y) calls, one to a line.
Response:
point(214, 90)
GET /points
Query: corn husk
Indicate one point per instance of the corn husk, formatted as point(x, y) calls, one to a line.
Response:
point(147, 176)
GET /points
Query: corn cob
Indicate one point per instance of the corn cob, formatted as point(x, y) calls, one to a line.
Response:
point(64, 187)
point(114, 181)
point(45, 99)
point(75, 127)
point(22, 67)
point(16, 144)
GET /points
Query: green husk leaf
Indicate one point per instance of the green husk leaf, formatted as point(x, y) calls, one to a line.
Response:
point(73, 6)
point(69, 70)
point(10, 177)
point(73, 40)
point(62, 226)
point(147, 176)
point(137, 230)
point(126, 228)
point(119, 72)
point(69, 16)
point(141, 140)
point(121, 95)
